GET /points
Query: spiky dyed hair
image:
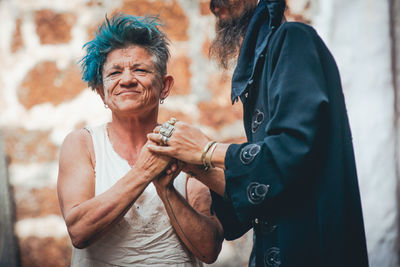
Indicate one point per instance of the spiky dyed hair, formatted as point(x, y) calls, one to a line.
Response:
point(119, 32)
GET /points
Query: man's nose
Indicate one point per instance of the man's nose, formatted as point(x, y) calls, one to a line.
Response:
point(214, 9)
point(216, 5)
point(128, 79)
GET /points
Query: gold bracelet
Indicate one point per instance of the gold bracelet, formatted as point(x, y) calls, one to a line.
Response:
point(212, 149)
point(203, 156)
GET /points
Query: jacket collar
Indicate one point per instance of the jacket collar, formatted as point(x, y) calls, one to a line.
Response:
point(267, 17)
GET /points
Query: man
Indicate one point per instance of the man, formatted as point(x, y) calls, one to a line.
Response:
point(294, 182)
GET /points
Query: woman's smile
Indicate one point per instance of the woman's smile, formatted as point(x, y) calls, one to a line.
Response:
point(129, 92)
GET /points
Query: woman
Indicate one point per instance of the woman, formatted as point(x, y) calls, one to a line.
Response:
point(118, 199)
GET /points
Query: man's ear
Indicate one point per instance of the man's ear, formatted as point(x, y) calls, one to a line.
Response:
point(168, 82)
point(100, 91)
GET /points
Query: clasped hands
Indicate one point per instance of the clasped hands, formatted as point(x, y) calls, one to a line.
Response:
point(185, 142)
point(171, 148)
point(193, 152)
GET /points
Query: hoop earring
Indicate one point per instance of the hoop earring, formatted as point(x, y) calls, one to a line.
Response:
point(161, 101)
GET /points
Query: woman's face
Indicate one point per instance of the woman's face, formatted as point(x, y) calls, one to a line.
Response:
point(131, 83)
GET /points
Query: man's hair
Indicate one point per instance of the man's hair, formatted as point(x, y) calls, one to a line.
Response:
point(122, 31)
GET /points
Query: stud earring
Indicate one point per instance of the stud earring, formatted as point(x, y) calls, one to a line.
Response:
point(162, 101)
point(105, 105)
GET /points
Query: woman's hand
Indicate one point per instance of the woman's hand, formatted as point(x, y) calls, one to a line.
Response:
point(186, 143)
point(151, 164)
point(166, 179)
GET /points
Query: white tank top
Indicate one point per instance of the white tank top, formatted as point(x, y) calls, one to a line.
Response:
point(144, 236)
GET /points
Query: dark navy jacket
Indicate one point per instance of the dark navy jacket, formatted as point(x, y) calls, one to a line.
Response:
point(295, 180)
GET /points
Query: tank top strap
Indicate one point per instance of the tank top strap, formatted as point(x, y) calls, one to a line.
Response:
point(98, 138)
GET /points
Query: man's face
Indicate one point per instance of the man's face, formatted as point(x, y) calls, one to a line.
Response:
point(130, 80)
point(233, 18)
point(230, 9)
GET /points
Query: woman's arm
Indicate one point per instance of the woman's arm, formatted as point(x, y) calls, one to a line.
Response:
point(196, 227)
point(88, 216)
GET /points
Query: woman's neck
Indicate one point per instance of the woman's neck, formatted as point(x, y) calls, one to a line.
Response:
point(129, 134)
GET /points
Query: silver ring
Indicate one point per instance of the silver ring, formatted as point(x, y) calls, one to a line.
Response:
point(167, 129)
point(164, 140)
point(172, 121)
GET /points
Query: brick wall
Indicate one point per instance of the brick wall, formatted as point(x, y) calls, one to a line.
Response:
point(42, 98)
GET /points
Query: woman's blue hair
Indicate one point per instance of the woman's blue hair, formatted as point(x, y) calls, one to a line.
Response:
point(119, 32)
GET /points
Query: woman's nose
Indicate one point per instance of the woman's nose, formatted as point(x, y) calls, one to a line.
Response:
point(128, 79)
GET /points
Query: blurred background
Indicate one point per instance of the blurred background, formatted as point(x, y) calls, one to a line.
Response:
point(42, 99)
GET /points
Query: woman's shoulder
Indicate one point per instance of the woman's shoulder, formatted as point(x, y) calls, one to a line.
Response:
point(77, 143)
point(77, 137)
point(84, 135)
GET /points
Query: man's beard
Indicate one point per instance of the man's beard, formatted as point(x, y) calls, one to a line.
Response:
point(229, 36)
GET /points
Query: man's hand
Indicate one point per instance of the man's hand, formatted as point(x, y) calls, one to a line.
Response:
point(186, 143)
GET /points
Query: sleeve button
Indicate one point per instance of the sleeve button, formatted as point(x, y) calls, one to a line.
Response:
point(248, 153)
point(272, 257)
point(257, 192)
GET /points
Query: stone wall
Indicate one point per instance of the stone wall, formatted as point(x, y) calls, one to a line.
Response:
point(42, 99)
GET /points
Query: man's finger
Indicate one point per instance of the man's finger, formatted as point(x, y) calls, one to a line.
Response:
point(155, 137)
point(157, 129)
point(162, 150)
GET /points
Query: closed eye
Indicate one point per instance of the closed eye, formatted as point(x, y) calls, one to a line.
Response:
point(141, 70)
point(113, 73)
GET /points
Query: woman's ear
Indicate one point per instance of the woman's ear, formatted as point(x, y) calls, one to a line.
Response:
point(168, 82)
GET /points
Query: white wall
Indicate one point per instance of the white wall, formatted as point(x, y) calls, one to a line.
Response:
point(357, 32)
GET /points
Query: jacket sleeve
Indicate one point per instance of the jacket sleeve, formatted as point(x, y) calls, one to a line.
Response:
point(233, 228)
point(257, 173)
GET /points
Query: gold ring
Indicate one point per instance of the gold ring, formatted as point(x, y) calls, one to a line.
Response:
point(164, 140)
